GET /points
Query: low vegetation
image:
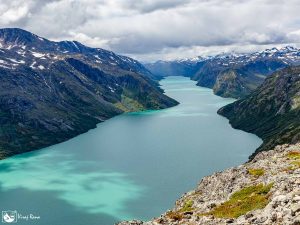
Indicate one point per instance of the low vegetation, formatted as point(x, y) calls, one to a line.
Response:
point(256, 172)
point(175, 215)
point(243, 201)
point(188, 206)
point(293, 155)
point(178, 215)
point(295, 163)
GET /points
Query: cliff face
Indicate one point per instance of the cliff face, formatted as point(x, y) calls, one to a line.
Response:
point(263, 191)
point(53, 91)
point(271, 111)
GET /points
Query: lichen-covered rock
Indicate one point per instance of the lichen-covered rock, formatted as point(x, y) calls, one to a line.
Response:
point(272, 197)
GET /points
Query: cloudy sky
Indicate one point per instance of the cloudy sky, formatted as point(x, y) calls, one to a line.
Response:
point(160, 29)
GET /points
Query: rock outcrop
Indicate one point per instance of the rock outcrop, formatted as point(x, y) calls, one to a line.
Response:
point(265, 190)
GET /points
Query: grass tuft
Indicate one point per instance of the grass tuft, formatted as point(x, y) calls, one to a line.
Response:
point(243, 201)
point(293, 155)
point(295, 165)
point(256, 172)
point(188, 206)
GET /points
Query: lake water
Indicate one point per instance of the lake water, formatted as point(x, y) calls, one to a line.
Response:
point(132, 166)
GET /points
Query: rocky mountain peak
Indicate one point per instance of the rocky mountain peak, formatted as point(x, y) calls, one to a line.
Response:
point(16, 36)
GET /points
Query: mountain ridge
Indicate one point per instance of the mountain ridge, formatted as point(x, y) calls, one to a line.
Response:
point(53, 91)
point(230, 75)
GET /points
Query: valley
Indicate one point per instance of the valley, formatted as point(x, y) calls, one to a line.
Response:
point(150, 112)
point(55, 95)
point(231, 74)
point(131, 166)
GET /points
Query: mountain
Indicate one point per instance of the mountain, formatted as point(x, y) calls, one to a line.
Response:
point(272, 111)
point(184, 67)
point(230, 75)
point(53, 91)
point(237, 75)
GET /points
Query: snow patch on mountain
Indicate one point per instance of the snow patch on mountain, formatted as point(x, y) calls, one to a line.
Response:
point(37, 54)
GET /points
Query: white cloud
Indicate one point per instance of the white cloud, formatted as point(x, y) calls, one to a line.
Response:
point(160, 28)
point(192, 51)
point(12, 12)
point(294, 35)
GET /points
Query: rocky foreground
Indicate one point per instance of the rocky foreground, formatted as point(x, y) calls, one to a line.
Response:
point(265, 190)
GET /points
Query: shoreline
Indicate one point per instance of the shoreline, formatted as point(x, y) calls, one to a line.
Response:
point(212, 202)
point(80, 133)
point(185, 207)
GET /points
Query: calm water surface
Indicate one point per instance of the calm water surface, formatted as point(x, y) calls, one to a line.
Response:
point(132, 166)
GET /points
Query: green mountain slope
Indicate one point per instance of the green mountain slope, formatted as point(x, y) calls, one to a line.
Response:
point(272, 111)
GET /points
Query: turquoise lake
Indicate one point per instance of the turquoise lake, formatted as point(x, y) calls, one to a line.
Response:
point(132, 166)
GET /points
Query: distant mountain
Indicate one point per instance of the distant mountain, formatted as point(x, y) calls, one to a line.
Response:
point(272, 111)
point(237, 75)
point(184, 67)
point(230, 75)
point(53, 91)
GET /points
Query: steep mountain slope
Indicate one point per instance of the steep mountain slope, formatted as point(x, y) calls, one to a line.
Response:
point(238, 75)
point(230, 75)
point(53, 91)
point(272, 111)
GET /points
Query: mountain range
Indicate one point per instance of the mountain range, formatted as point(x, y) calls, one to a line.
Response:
point(52, 91)
point(230, 75)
